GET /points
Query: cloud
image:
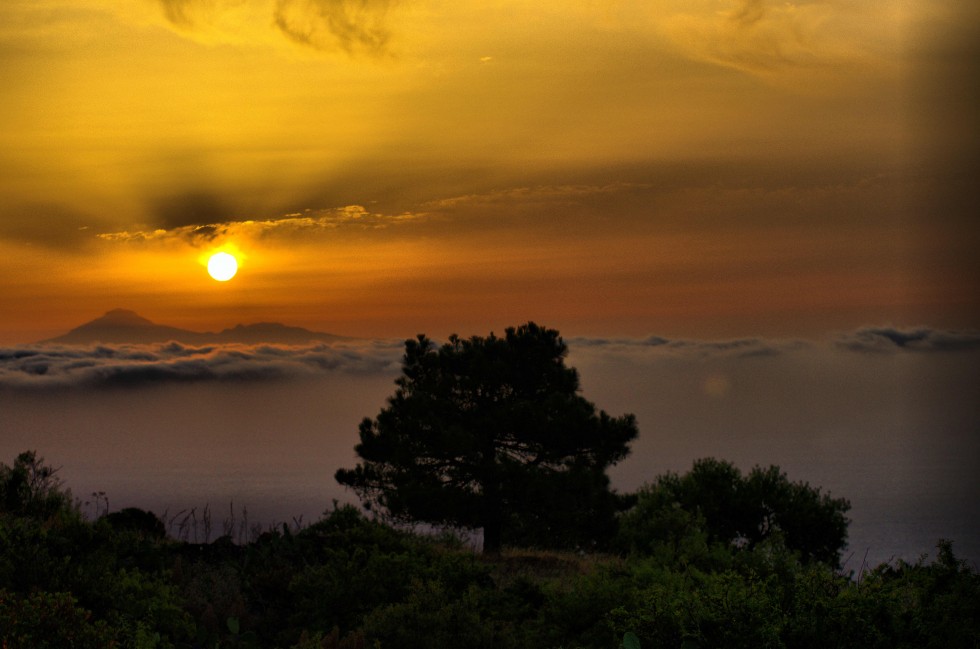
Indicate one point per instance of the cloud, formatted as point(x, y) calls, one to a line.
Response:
point(179, 12)
point(734, 348)
point(352, 26)
point(880, 340)
point(536, 194)
point(889, 339)
point(767, 38)
point(46, 367)
point(305, 223)
point(189, 208)
point(45, 224)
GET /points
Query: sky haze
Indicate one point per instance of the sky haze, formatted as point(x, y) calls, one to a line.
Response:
point(386, 167)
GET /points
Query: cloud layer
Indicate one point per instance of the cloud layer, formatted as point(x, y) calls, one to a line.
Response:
point(868, 339)
point(298, 223)
point(888, 339)
point(44, 367)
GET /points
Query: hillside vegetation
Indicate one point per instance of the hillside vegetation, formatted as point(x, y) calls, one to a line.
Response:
point(347, 581)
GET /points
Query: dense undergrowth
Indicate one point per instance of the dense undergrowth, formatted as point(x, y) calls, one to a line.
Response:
point(348, 582)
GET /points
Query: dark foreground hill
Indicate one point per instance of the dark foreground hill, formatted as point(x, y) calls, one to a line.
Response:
point(125, 326)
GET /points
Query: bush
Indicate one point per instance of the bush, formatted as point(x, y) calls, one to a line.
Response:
point(434, 616)
point(356, 565)
point(50, 621)
point(715, 504)
point(347, 582)
point(30, 488)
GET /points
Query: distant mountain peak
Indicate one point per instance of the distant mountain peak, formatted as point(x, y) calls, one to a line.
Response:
point(127, 326)
point(122, 317)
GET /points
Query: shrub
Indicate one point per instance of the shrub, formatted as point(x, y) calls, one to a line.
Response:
point(30, 488)
point(50, 621)
point(714, 503)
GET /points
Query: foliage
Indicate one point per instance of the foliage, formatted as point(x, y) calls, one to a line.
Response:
point(358, 565)
point(630, 641)
point(715, 504)
point(492, 433)
point(77, 578)
point(99, 570)
point(142, 523)
point(45, 620)
point(347, 582)
point(431, 615)
point(31, 488)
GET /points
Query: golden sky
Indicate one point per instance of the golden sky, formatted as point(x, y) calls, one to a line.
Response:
point(387, 167)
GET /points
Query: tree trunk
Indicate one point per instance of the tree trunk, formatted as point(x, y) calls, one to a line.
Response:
point(491, 537)
point(493, 518)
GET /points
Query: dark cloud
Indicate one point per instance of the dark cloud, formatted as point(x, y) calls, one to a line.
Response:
point(178, 11)
point(751, 12)
point(351, 25)
point(46, 224)
point(189, 208)
point(42, 367)
point(888, 339)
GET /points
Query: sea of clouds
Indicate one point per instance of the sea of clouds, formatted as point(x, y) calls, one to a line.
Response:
point(46, 366)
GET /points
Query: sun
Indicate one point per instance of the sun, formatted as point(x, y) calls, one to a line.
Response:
point(222, 266)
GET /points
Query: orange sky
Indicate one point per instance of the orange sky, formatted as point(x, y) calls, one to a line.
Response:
point(384, 167)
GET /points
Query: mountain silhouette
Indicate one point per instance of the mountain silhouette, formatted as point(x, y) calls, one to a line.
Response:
point(125, 326)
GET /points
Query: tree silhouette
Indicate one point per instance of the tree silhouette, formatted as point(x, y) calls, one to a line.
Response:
point(31, 488)
point(491, 433)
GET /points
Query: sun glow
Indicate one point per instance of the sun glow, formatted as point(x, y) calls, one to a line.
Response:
point(222, 266)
